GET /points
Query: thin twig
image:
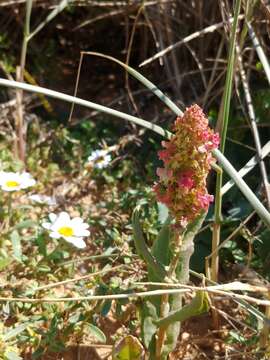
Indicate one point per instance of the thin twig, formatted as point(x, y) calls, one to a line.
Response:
point(247, 167)
point(84, 277)
point(135, 295)
point(254, 128)
point(260, 51)
point(188, 38)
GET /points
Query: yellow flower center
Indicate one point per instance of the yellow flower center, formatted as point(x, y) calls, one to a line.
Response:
point(100, 159)
point(12, 183)
point(66, 231)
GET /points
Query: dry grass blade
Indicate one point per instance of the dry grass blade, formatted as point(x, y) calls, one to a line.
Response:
point(254, 128)
point(63, 4)
point(190, 37)
point(226, 292)
point(248, 167)
point(259, 51)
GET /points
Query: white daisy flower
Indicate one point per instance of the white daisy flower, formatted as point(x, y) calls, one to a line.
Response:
point(100, 158)
point(10, 181)
point(72, 230)
point(43, 199)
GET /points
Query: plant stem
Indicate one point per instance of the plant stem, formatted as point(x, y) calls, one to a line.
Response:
point(164, 306)
point(9, 209)
point(253, 125)
point(224, 127)
point(20, 77)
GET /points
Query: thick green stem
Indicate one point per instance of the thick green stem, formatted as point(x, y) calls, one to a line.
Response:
point(182, 250)
point(164, 306)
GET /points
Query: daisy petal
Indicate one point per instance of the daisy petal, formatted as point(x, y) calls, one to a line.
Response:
point(78, 242)
point(81, 232)
point(77, 221)
point(46, 225)
point(52, 217)
point(55, 235)
point(62, 220)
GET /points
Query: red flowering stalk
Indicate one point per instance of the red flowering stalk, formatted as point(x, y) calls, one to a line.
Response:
point(187, 158)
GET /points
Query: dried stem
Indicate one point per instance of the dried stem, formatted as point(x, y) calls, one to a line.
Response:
point(21, 145)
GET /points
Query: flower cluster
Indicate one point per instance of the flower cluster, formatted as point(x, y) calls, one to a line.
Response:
point(187, 158)
point(43, 199)
point(71, 230)
point(100, 159)
point(61, 225)
point(10, 181)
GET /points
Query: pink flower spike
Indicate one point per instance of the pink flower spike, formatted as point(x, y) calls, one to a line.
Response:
point(186, 183)
point(187, 157)
point(205, 135)
point(215, 140)
point(162, 174)
point(186, 180)
point(205, 200)
point(165, 144)
point(164, 155)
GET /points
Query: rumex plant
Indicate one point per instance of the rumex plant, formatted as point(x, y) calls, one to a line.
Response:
point(187, 160)
point(182, 188)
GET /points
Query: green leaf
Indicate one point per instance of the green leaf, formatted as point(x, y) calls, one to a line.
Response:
point(44, 268)
point(97, 333)
point(106, 307)
point(163, 212)
point(128, 348)
point(142, 249)
point(25, 224)
point(11, 355)
point(161, 250)
point(161, 246)
point(148, 314)
point(198, 305)
point(4, 262)
point(14, 332)
point(16, 244)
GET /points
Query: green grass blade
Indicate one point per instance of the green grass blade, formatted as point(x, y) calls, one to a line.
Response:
point(72, 99)
point(49, 18)
point(260, 52)
point(152, 87)
point(229, 77)
point(243, 187)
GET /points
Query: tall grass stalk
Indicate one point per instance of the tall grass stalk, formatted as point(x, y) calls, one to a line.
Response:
point(27, 36)
point(20, 126)
point(264, 337)
point(260, 52)
point(223, 133)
